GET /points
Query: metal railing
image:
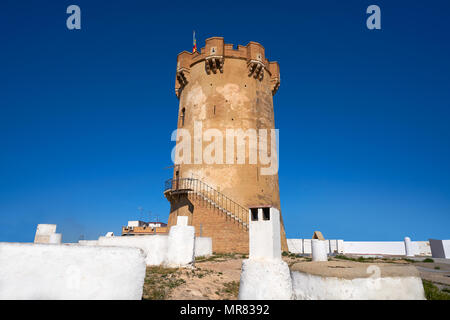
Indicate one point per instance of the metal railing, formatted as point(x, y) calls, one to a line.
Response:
point(205, 192)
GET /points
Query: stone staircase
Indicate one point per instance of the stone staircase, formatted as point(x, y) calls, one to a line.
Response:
point(215, 199)
point(228, 213)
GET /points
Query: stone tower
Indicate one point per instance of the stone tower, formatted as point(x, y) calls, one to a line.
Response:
point(222, 88)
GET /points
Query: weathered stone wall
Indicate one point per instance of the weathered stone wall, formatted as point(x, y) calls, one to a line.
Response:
point(230, 98)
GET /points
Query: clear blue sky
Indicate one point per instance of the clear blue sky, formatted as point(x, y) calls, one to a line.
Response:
point(86, 116)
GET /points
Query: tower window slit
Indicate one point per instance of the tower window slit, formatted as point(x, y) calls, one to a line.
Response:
point(183, 114)
point(254, 212)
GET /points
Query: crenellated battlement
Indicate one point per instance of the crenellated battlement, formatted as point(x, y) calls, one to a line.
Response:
point(214, 56)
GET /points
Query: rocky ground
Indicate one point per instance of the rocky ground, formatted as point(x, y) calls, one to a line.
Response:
point(217, 277)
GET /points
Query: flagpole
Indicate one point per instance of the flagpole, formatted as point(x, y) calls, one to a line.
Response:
point(194, 43)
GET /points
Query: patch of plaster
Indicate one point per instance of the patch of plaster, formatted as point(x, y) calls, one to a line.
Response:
point(196, 97)
point(234, 95)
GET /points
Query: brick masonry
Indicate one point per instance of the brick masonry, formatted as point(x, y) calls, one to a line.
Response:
point(223, 88)
point(227, 234)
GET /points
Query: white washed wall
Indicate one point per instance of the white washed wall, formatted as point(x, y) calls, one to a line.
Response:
point(54, 272)
point(295, 245)
point(375, 247)
point(88, 242)
point(303, 246)
point(422, 248)
point(203, 246)
point(311, 287)
point(154, 246)
point(181, 245)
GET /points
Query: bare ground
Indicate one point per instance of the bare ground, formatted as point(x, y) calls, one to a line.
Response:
point(212, 278)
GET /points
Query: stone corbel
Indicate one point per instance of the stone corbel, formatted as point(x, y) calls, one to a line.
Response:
point(182, 80)
point(214, 63)
point(256, 68)
point(275, 85)
point(182, 76)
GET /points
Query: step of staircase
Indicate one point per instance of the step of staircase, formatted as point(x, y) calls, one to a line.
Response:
point(228, 213)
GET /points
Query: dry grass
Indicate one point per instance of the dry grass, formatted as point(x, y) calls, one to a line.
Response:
point(230, 289)
point(220, 257)
point(432, 292)
point(159, 282)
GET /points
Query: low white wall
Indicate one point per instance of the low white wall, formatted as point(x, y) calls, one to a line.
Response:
point(88, 242)
point(203, 246)
point(307, 246)
point(312, 287)
point(303, 246)
point(154, 246)
point(372, 247)
point(295, 245)
point(45, 271)
point(340, 248)
point(173, 250)
point(421, 248)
